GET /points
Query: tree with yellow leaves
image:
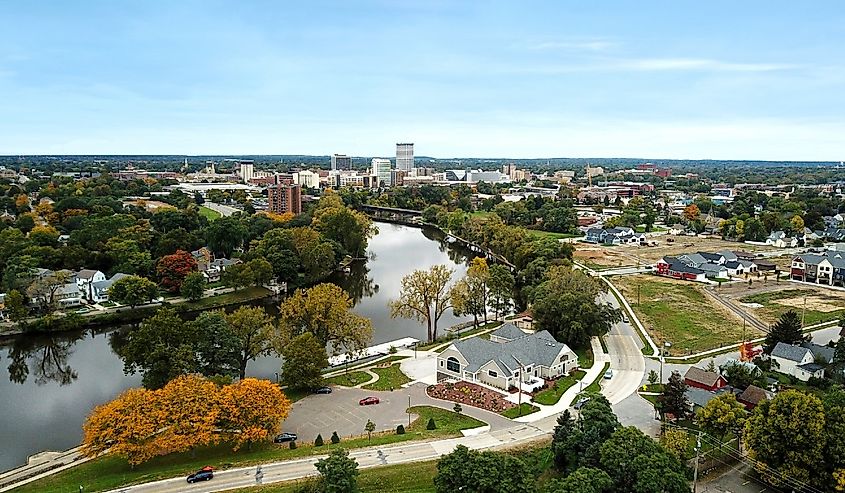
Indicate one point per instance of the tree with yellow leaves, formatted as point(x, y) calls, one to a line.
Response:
point(190, 406)
point(124, 427)
point(252, 410)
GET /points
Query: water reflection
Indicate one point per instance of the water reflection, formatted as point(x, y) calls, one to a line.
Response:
point(45, 357)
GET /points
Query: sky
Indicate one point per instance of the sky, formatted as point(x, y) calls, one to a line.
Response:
point(519, 79)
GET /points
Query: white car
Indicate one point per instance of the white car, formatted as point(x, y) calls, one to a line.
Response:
point(608, 374)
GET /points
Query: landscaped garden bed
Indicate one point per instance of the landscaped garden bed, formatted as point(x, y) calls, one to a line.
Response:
point(470, 394)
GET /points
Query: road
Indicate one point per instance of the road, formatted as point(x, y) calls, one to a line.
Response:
point(224, 210)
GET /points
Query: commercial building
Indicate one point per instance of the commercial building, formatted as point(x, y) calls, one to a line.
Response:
point(397, 177)
point(405, 156)
point(381, 170)
point(284, 198)
point(341, 162)
point(247, 171)
point(307, 179)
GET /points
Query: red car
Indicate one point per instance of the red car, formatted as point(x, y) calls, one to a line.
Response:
point(366, 401)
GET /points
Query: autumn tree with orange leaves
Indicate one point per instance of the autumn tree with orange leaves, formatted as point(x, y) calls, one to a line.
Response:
point(252, 410)
point(190, 405)
point(124, 427)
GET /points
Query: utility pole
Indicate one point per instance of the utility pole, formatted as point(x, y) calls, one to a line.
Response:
point(409, 410)
point(697, 455)
point(804, 311)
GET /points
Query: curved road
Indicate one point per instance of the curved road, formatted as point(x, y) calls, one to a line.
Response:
point(626, 359)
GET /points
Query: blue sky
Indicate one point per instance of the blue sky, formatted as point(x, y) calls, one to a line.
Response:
point(650, 79)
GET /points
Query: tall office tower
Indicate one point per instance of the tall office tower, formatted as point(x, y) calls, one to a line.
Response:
point(341, 161)
point(405, 156)
point(247, 171)
point(284, 198)
point(381, 169)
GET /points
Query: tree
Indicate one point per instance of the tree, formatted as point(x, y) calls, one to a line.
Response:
point(424, 296)
point(565, 305)
point(653, 377)
point(598, 424)
point(172, 269)
point(582, 480)
point(796, 224)
point(162, 348)
point(338, 473)
point(193, 286)
point(324, 310)
point(566, 443)
point(218, 347)
point(133, 291)
point(468, 299)
point(482, 472)
point(252, 410)
point(457, 408)
point(500, 287)
point(15, 305)
point(722, 415)
point(691, 212)
point(254, 330)
point(304, 360)
point(635, 462)
point(673, 400)
point(786, 435)
point(190, 406)
point(786, 330)
point(677, 442)
point(370, 427)
point(739, 374)
point(124, 427)
point(44, 289)
point(224, 235)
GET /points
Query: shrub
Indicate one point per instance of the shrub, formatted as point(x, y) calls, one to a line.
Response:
point(457, 408)
point(400, 430)
point(431, 424)
point(293, 445)
point(335, 439)
point(392, 350)
point(319, 441)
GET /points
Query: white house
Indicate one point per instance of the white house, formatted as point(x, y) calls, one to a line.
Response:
point(798, 361)
point(510, 358)
point(779, 239)
point(100, 289)
point(84, 280)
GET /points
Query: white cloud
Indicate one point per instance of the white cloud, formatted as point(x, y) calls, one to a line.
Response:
point(702, 64)
point(587, 45)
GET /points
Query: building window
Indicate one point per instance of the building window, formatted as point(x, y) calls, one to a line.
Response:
point(452, 364)
point(492, 373)
point(441, 362)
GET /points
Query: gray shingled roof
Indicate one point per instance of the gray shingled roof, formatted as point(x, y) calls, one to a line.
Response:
point(538, 348)
point(811, 367)
point(753, 395)
point(699, 397)
point(708, 378)
point(508, 331)
point(787, 351)
point(820, 351)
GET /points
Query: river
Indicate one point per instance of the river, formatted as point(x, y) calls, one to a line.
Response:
point(49, 384)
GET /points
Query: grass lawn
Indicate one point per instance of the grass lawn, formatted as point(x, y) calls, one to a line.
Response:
point(518, 411)
point(240, 296)
point(551, 234)
point(450, 336)
point(209, 214)
point(550, 396)
point(108, 472)
point(681, 313)
point(595, 387)
point(389, 378)
point(585, 357)
point(773, 309)
point(350, 379)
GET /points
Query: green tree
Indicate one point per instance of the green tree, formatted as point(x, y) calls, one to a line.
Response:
point(582, 480)
point(566, 443)
point(469, 295)
point(565, 305)
point(338, 473)
point(738, 374)
point(162, 348)
point(635, 462)
point(224, 235)
point(482, 472)
point(218, 346)
point(254, 329)
point(673, 400)
point(193, 286)
point(133, 291)
point(786, 330)
point(15, 306)
point(370, 427)
point(424, 296)
point(786, 435)
point(653, 377)
point(500, 287)
point(722, 415)
point(304, 360)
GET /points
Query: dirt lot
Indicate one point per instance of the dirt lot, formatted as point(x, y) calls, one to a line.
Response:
point(620, 255)
point(682, 313)
point(767, 300)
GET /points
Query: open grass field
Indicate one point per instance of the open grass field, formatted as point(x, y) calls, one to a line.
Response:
point(550, 234)
point(681, 313)
point(518, 411)
point(350, 379)
point(209, 214)
point(389, 378)
point(109, 472)
point(816, 304)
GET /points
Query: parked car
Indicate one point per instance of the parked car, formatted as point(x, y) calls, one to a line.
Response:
point(323, 390)
point(580, 403)
point(625, 318)
point(608, 374)
point(203, 474)
point(285, 437)
point(366, 401)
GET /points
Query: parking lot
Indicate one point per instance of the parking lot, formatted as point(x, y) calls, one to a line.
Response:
point(340, 412)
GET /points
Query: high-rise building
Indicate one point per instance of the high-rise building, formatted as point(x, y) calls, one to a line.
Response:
point(247, 171)
point(397, 177)
point(381, 169)
point(405, 156)
point(284, 198)
point(341, 161)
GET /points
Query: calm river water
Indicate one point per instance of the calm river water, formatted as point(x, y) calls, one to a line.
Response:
point(49, 384)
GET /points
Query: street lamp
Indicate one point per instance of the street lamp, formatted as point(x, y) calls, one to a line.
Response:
point(663, 351)
point(409, 410)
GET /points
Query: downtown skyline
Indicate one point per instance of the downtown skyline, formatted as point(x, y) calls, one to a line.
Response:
point(757, 81)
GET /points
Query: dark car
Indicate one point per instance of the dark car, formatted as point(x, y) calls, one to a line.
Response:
point(203, 474)
point(323, 390)
point(285, 437)
point(366, 401)
point(581, 402)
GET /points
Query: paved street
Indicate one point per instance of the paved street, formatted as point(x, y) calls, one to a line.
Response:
point(223, 210)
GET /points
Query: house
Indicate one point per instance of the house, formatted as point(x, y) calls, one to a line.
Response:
point(614, 236)
point(524, 361)
point(524, 320)
point(68, 295)
point(826, 268)
point(779, 239)
point(699, 398)
point(703, 379)
point(796, 361)
point(752, 396)
point(214, 269)
point(672, 267)
point(85, 278)
point(595, 235)
point(100, 289)
point(677, 229)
